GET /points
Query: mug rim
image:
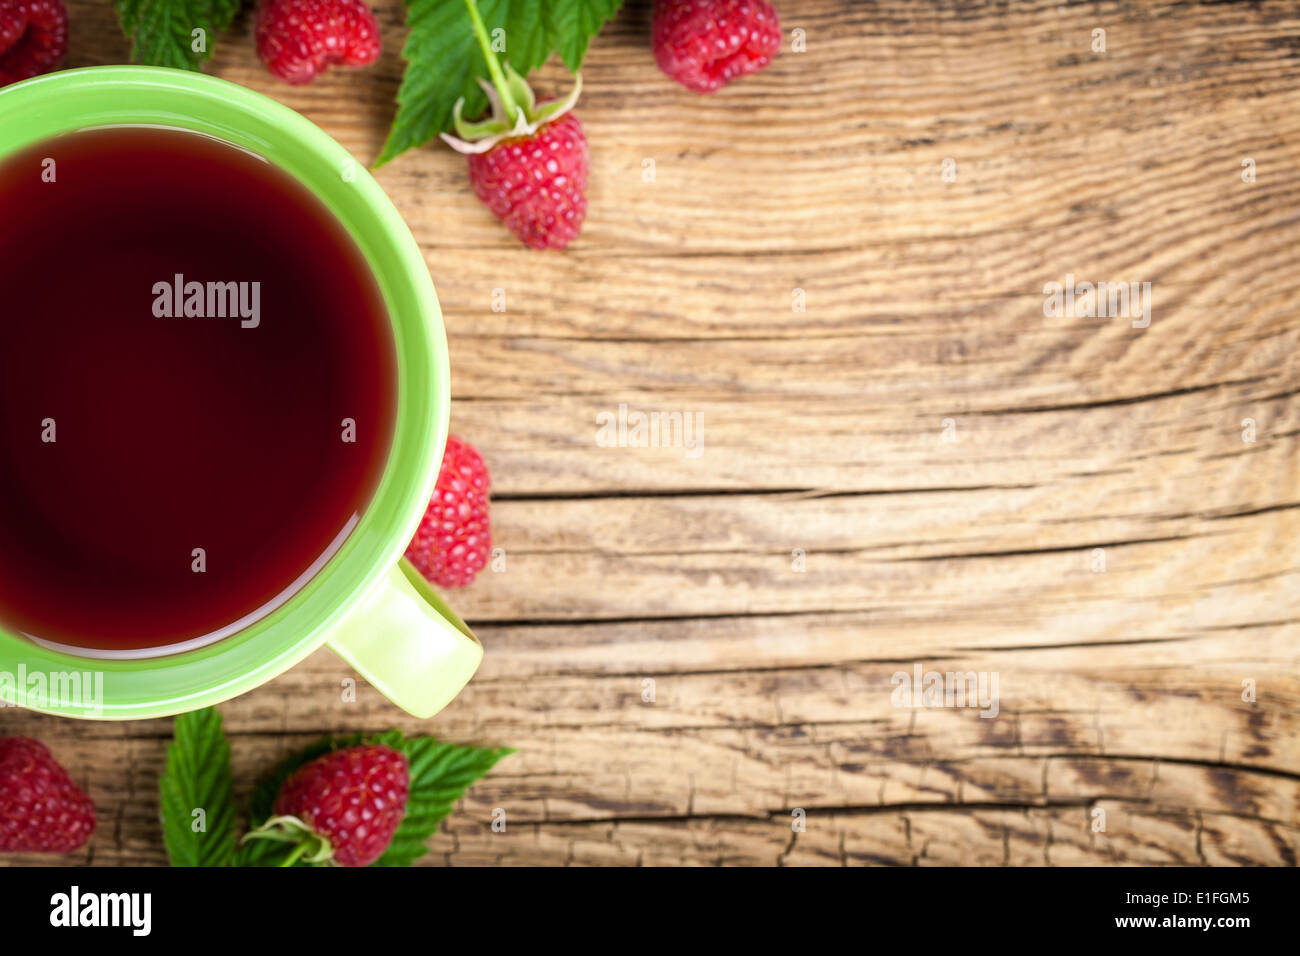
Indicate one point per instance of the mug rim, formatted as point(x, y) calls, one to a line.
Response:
point(63, 102)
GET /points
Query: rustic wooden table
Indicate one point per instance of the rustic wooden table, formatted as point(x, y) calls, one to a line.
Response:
point(919, 467)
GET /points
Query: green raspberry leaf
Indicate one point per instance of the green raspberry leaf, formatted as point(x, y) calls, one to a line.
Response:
point(162, 31)
point(572, 24)
point(440, 775)
point(197, 778)
point(444, 62)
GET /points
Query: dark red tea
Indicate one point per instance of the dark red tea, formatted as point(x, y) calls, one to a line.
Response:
point(186, 334)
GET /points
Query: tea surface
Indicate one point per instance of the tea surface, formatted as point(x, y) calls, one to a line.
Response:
point(185, 334)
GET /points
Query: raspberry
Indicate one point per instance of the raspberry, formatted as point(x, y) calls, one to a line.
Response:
point(527, 160)
point(354, 798)
point(537, 185)
point(33, 38)
point(705, 44)
point(41, 809)
point(297, 39)
point(451, 545)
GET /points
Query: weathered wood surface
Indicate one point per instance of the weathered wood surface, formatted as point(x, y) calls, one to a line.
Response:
point(1121, 690)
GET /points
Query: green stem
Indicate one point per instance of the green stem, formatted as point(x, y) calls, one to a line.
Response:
point(298, 851)
point(494, 68)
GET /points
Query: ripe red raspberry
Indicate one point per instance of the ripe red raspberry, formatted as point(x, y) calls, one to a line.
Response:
point(41, 809)
point(705, 44)
point(354, 798)
point(537, 185)
point(451, 545)
point(299, 38)
point(33, 38)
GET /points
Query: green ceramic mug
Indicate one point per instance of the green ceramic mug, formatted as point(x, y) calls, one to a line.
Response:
point(368, 604)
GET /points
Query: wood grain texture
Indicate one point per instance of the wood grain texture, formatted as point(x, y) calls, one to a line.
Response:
point(824, 431)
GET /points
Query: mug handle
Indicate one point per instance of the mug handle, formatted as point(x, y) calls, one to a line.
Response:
point(408, 643)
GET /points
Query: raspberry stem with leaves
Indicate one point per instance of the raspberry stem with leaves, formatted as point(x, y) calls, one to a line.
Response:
point(306, 844)
point(515, 112)
point(494, 67)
